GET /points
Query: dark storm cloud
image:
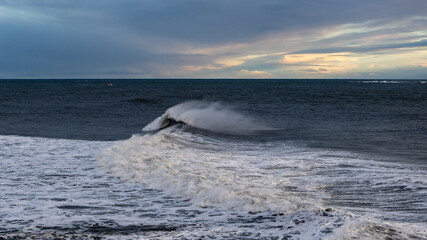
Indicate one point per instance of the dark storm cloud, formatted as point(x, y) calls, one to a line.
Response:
point(43, 49)
point(129, 36)
point(223, 20)
point(51, 44)
point(243, 20)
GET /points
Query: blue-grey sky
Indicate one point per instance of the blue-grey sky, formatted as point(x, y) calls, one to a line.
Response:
point(213, 39)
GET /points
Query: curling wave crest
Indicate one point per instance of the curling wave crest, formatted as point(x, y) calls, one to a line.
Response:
point(211, 116)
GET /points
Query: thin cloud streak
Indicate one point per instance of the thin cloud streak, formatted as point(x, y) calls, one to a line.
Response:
point(367, 49)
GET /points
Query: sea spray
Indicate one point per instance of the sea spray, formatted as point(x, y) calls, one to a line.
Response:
point(211, 116)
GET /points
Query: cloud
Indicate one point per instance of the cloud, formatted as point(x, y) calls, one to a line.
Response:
point(192, 38)
point(244, 73)
point(367, 49)
point(322, 63)
point(236, 61)
point(219, 21)
point(317, 58)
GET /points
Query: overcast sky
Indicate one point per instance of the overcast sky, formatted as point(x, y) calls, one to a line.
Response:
point(213, 39)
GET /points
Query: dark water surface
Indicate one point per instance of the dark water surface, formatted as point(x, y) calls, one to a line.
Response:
point(213, 159)
point(385, 117)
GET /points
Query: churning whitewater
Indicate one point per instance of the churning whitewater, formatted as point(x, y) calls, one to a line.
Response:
point(293, 189)
point(254, 159)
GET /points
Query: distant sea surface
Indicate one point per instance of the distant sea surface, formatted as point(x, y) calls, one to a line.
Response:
point(213, 159)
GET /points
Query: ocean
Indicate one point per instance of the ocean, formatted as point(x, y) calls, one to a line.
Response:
point(213, 159)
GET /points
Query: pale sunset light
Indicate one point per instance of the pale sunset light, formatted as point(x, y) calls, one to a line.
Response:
point(187, 39)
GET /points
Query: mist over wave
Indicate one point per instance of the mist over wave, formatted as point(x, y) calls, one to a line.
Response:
point(211, 116)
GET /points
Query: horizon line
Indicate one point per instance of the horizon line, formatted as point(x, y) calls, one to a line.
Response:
point(346, 79)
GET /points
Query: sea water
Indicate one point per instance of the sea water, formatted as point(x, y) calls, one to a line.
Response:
point(213, 159)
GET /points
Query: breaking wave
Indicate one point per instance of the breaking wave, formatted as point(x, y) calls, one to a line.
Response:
point(210, 116)
point(316, 190)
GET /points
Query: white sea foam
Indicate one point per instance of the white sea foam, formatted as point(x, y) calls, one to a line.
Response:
point(370, 229)
point(276, 176)
point(211, 116)
point(207, 172)
point(54, 184)
point(391, 81)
